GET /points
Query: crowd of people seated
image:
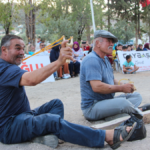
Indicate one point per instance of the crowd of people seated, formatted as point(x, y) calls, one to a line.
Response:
point(145, 48)
point(114, 59)
point(73, 68)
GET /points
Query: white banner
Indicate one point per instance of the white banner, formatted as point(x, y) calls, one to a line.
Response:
point(139, 58)
point(35, 63)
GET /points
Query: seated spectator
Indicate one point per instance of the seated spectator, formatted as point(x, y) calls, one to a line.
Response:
point(98, 85)
point(42, 46)
point(54, 55)
point(140, 47)
point(127, 66)
point(132, 48)
point(30, 50)
point(110, 57)
point(124, 48)
point(119, 47)
point(146, 47)
point(115, 58)
point(78, 54)
point(129, 48)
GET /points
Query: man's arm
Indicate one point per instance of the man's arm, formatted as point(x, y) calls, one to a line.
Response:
point(135, 68)
point(125, 69)
point(39, 75)
point(103, 88)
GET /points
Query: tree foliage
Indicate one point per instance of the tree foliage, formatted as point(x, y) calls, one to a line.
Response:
point(119, 30)
point(7, 15)
point(73, 17)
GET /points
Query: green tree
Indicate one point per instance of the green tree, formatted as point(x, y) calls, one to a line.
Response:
point(30, 8)
point(77, 11)
point(120, 33)
point(146, 20)
point(7, 14)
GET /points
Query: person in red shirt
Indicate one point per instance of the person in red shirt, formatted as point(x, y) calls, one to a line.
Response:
point(86, 46)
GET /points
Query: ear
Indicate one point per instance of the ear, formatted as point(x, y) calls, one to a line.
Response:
point(4, 50)
point(98, 44)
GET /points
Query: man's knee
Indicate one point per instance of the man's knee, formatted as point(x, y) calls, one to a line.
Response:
point(45, 124)
point(125, 105)
point(137, 96)
point(59, 103)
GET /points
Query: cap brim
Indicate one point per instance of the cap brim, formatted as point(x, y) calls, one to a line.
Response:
point(115, 40)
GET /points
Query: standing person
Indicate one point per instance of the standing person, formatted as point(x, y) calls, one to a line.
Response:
point(115, 58)
point(42, 46)
point(86, 46)
point(119, 47)
point(140, 47)
point(110, 57)
point(129, 48)
point(127, 66)
point(146, 47)
point(39, 40)
point(132, 48)
point(124, 48)
point(30, 50)
point(54, 55)
point(98, 85)
point(18, 123)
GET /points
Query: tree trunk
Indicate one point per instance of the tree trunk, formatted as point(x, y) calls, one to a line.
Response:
point(139, 32)
point(80, 32)
point(30, 24)
point(136, 25)
point(7, 30)
point(88, 34)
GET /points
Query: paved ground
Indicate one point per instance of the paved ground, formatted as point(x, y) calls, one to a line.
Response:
point(69, 92)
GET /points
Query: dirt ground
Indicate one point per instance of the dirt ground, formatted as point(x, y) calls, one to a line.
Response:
point(68, 91)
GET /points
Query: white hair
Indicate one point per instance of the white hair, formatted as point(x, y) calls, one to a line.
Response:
point(97, 39)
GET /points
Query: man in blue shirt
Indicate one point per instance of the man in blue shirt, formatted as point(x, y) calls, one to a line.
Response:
point(127, 66)
point(18, 123)
point(98, 86)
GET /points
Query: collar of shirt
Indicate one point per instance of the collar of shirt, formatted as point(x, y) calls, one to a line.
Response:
point(103, 60)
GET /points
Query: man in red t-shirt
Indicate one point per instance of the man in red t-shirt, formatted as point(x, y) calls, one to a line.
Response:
point(86, 46)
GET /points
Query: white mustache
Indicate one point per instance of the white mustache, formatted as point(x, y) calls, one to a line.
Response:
point(110, 47)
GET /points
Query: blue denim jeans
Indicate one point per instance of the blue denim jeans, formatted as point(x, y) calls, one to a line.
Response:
point(116, 64)
point(48, 119)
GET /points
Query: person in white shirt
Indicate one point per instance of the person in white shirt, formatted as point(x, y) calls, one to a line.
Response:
point(42, 45)
point(78, 52)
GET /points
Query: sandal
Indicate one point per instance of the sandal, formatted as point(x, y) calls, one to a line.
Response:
point(121, 130)
point(145, 107)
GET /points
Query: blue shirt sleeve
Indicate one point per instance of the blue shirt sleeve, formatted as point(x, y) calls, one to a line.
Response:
point(92, 71)
point(11, 76)
point(125, 63)
point(31, 53)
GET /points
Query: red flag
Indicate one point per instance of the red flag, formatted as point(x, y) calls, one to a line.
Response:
point(145, 3)
point(148, 2)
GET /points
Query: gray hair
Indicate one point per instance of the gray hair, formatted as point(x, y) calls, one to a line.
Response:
point(6, 41)
point(97, 39)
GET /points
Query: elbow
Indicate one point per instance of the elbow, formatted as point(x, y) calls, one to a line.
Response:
point(31, 83)
point(95, 89)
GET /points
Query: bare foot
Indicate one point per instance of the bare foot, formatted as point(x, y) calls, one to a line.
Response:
point(110, 135)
